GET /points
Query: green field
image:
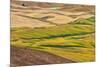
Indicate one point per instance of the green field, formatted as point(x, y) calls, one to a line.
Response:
point(75, 40)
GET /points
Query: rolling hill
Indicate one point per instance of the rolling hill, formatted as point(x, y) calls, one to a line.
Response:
point(65, 32)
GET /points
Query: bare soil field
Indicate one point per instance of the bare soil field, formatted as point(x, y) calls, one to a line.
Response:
point(26, 56)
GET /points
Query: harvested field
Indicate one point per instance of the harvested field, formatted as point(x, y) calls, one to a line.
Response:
point(34, 15)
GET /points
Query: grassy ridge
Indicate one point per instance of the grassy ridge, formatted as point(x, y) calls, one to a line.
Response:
point(88, 21)
point(65, 30)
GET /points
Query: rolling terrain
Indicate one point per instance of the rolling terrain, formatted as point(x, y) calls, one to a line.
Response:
point(65, 33)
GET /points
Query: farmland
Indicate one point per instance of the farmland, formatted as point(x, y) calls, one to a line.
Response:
point(68, 34)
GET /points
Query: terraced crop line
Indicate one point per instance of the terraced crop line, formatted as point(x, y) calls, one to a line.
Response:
point(64, 35)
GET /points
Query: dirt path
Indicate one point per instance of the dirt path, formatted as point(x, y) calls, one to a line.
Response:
point(24, 56)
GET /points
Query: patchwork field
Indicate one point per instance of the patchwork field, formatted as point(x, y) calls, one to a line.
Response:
point(55, 30)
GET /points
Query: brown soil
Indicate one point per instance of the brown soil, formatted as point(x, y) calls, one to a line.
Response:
point(25, 56)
